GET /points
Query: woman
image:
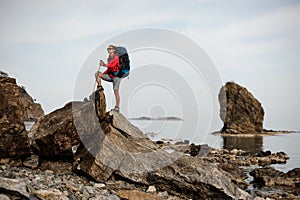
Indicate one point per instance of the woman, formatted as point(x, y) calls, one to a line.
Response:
point(111, 74)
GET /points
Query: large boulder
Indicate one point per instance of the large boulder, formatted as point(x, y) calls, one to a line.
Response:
point(32, 110)
point(13, 136)
point(240, 111)
point(271, 177)
point(62, 129)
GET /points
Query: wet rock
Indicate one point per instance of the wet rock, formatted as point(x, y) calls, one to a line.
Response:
point(265, 176)
point(13, 136)
point(199, 150)
point(271, 177)
point(240, 111)
point(275, 158)
point(13, 188)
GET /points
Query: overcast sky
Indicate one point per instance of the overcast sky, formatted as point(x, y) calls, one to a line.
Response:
point(45, 44)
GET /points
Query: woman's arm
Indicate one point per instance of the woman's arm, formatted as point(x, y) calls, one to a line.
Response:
point(113, 64)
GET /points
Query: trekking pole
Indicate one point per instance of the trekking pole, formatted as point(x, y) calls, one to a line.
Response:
point(96, 79)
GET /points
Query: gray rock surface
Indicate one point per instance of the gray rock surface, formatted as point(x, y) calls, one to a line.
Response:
point(14, 188)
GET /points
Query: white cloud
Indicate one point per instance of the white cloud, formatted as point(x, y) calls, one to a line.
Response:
point(280, 21)
point(258, 42)
point(40, 21)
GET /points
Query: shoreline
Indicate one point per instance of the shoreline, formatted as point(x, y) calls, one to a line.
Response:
point(264, 133)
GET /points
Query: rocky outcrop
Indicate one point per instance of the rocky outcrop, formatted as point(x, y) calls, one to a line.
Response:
point(32, 110)
point(270, 178)
point(111, 148)
point(13, 136)
point(240, 111)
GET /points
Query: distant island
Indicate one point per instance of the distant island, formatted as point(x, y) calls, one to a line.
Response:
point(157, 118)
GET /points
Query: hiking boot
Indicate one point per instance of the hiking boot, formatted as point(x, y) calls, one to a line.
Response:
point(116, 109)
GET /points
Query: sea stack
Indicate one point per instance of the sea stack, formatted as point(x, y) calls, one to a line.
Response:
point(240, 111)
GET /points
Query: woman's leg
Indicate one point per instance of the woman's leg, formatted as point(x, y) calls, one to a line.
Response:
point(117, 96)
point(98, 76)
point(116, 86)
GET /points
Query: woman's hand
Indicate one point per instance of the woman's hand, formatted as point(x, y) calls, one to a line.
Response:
point(101, 63)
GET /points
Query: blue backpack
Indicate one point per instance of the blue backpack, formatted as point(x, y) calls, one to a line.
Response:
point(124, 61)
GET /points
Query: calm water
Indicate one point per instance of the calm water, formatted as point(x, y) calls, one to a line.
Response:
point(176, 130)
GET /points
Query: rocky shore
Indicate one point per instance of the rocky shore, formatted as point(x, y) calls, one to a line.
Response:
point(60, 179)
point(81, 151)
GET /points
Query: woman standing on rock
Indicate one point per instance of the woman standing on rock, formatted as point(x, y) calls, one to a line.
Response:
point(110, 74)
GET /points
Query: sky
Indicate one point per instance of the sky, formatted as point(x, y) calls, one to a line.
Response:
point(48, 46)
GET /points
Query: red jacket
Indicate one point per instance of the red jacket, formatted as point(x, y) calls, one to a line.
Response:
point(112, 65)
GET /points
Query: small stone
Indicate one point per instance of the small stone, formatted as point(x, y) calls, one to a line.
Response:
point(163, 195)
point(48, 171)
point(234, 151)
point(73, 188)
point(89, 189)
point(30, 176)
point(66, 193)
point(85, 194)
point(4, 161)
point(151, 189)
point(99, 185)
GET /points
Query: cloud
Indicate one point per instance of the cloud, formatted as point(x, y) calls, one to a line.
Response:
point(36, 21)
point(259, 41)
point(280, 21)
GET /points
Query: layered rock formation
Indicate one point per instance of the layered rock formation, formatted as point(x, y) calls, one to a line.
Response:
point(240, 111)
point(13, 136)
